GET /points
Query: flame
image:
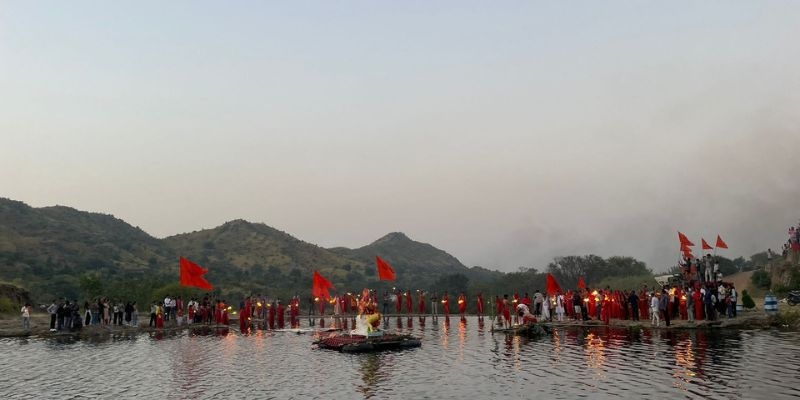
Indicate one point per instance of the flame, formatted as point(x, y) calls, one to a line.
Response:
point(460, 301)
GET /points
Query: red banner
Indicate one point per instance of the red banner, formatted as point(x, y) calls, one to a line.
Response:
point(192, 275)
point(385, 271)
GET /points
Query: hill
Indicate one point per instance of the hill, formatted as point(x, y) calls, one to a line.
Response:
point(49, 249)
point(63, 252)
point(417, 264)
point(254, 256)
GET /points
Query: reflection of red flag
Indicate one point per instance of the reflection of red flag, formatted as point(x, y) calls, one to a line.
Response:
point(552, 285)
point(581, 284)
point(706, 246)
point(684, 240)
point(385, 271)
point(321, 286)
point(720, 243)
point(192, 275)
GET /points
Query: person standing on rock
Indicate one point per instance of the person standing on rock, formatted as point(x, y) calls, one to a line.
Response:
point(26, 316)
point(52, 310)
point(654, 305)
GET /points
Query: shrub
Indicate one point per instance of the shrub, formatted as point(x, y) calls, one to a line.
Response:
point(6, 306)
point(747, 301)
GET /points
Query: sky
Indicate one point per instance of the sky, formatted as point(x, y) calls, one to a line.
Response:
point(505, 133)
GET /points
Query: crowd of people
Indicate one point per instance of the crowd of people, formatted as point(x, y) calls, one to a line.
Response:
point(791, 249)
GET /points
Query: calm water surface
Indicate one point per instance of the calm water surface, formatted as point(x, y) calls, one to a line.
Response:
point(459, 359)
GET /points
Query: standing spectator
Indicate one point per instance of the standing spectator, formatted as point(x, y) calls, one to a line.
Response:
point(135, 315)
point(167, 304)
point(26, 316)
point(87, 313)
point(153, 312)
point(435, 304)
point(52, 310)
point(633, 300)
point(654, 306)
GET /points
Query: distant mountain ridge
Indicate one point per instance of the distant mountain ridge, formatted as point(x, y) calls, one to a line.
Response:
point(50, 250)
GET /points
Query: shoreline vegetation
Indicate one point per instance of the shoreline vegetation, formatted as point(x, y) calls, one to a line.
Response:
point(787, 318)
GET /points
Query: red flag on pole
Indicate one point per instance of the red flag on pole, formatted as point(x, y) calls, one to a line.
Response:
point(385, 271)
point(552, 285)
point(720, 243)
point(685, 248)
point(684, 240)
point(321, 286)
point(706, 246)
point(192, 275)
point(581, 284)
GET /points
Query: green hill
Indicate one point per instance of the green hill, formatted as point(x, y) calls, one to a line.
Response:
point(62, 252)
point(48, 249)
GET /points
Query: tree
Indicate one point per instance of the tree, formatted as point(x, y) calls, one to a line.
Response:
point(91, 285)
point(455, 283)
point(570, 269)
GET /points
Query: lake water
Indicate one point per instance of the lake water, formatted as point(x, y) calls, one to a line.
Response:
point(457, 360)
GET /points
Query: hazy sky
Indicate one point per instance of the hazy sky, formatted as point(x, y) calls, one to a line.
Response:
point(506, 133)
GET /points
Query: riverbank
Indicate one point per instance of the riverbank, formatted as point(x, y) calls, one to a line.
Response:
point(788, 318)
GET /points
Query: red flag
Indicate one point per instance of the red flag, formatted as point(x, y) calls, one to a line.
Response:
point(192, 275)
point(684, 240)
point(321, 286)
point(707, 246)
point(552, 285)
point(720, 243)
point(685, 248)
point(385, 271)
point(581, 284)
point(688, 254)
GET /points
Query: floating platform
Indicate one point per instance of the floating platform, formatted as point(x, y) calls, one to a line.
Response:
point(348, 343)
point(528, 330)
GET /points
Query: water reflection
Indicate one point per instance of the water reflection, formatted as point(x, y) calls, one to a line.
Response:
point(370, 376)
point(573, 362)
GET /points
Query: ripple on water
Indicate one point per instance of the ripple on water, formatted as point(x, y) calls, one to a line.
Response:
point(459, 360)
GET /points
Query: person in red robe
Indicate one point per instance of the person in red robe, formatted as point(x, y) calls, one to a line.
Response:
point(462, 304)
point(294, 312)
point(244, 319)
point(271, 309)
point(398, 305)
point(446, 303)
point(409, 302)
point(644, 304)
point(505, 308)
point(160, 316)
point(683, 303)
point(480, 304)
point(281, 313)
point(225, 320)
point(422, 303)
point(218, 313)
point(192, 312)
point(697, 296)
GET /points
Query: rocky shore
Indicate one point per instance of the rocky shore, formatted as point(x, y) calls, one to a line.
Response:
point(787, 318)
